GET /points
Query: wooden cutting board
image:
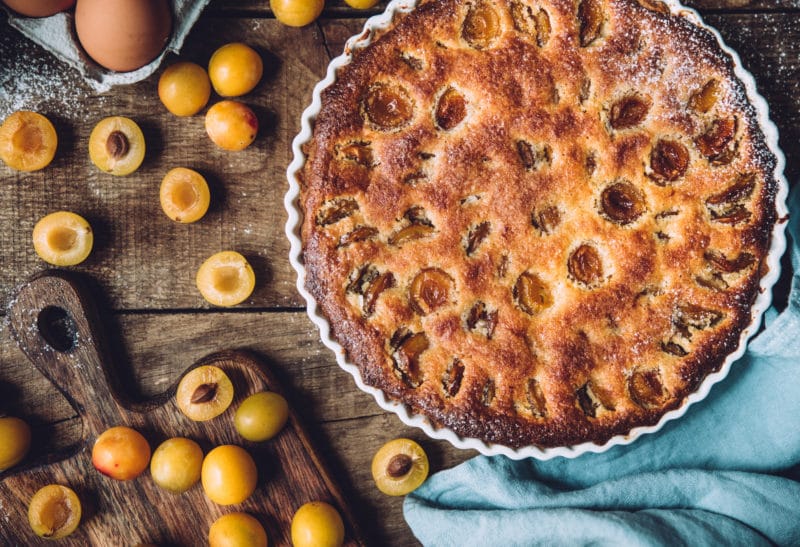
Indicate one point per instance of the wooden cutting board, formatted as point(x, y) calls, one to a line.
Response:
point(57, 325)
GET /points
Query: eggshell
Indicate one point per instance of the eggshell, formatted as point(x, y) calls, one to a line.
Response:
point(39, 8)
point(123, 35)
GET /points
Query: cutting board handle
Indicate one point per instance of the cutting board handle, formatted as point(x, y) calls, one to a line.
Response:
point(56, 323)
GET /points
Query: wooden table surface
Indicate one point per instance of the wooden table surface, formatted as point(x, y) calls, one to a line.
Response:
point(143, 264)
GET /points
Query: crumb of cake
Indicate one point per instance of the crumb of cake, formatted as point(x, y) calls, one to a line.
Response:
point(537, 223)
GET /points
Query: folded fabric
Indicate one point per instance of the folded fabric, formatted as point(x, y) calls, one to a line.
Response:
point(490, 501)
point(720, 475)
point(56, 34)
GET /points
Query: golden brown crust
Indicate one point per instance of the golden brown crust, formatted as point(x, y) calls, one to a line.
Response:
point(537, 222)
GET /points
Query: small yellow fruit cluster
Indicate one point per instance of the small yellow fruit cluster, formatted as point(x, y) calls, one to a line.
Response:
point(299, 13)
point(54, 510)
point(226, 278)
point(28, 142)
point(233, 70)
point(206, 391)
point(228, 474)
point(116, 146)
point(121, 453)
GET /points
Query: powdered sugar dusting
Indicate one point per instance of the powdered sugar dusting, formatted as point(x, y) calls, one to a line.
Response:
point(33, 80)
point(662, 69)
point(673, 70)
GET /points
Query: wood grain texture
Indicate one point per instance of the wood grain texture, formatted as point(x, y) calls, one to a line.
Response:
point(338, 8)
point(57, 325)
point(159, 257)
point(147, 262)
point(346, 423)
point(144, 265)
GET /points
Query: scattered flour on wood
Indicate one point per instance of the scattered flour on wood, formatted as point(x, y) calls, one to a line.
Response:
point(32, 79)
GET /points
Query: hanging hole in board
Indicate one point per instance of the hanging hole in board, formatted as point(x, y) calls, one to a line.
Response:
point(57, 328)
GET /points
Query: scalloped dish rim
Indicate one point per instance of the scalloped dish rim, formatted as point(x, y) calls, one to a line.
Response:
point(405, 413)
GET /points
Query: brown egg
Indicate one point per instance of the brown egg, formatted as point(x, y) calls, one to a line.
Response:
point(123, 35)
point(39, 8)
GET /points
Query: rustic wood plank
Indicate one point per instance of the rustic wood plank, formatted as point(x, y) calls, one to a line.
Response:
point(55, 321)
point(158, 347)
point(338, 8)
point(743, 5)
point(133, 235)
point(769, 46)
point(145, 261)
point(355, 442)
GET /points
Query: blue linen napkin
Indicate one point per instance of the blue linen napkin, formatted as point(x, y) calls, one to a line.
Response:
point(712, 477)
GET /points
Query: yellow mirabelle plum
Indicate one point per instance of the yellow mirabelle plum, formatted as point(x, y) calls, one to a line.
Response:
point(28, 141)
point(226, 279)
point(63, 238)
point(235, 69)
point(184, 195)
point(231, 125)
point(184, 88)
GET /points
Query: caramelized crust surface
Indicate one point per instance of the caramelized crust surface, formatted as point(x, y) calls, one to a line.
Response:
point(537, 222)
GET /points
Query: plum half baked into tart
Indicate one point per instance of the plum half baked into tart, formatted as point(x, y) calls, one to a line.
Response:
point(537, 222)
